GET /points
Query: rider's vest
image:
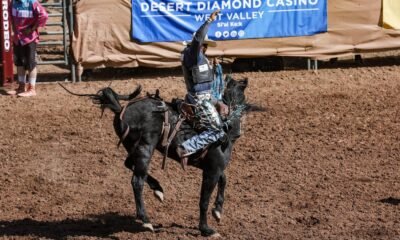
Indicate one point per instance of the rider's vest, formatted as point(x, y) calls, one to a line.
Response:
point(200, 73)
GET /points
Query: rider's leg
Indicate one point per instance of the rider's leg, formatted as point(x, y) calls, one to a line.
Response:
point(209, 119)
point(202, 140)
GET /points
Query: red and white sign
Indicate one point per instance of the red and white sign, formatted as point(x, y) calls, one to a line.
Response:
point(6, 26)
point(6, 54)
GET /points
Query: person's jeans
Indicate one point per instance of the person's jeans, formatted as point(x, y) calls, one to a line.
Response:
point(207, 118)
point(202, 140)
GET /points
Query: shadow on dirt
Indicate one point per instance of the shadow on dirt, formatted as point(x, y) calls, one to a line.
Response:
point(3, 92)
point(390, 200)
point(99, 226)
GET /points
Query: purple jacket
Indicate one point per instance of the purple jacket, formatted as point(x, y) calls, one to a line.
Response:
point(27, 17)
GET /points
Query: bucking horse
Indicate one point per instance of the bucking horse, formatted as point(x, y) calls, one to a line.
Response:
point(141, 127)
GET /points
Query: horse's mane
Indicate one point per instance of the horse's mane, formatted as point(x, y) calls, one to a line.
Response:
point(234, 96)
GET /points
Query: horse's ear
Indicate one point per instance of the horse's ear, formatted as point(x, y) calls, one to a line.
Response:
point(228, 78)
point(243, 83)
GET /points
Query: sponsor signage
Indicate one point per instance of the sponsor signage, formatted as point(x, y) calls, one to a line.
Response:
point(176, 20)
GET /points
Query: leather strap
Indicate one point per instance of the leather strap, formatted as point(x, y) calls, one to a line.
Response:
point(166, 129)
point(170, 138)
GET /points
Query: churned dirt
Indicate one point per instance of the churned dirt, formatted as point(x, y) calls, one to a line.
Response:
point(321, 162)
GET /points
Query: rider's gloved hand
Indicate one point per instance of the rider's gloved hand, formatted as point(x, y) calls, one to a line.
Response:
point(214, 15)
point(222, 108)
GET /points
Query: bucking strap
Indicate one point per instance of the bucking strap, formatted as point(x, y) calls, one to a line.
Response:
point(166, 129)
point(170, 138)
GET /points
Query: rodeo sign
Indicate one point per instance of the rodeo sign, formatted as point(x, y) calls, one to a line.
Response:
point(176, 20)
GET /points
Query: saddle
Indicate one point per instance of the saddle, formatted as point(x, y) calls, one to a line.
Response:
point(186, 112)
point(184, 109)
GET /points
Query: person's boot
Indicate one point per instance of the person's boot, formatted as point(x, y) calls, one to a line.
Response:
point(18, 90)
point(31, 92)
point(183, 155)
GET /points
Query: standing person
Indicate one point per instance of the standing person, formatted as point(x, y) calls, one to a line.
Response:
point(27, 17)
point(199, 76)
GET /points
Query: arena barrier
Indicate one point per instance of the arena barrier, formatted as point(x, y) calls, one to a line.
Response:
point(102, 37)
point(6, 56)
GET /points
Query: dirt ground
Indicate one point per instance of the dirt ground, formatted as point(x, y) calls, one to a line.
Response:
point(322, 162)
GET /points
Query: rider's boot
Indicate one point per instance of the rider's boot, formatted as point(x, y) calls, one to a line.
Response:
point(183, 155)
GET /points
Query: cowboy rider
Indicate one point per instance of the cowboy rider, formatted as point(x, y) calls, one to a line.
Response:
point(199, 76)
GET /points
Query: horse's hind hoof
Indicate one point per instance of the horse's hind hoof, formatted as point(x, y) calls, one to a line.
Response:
point(209, 232)
point(159, 195)
point(148, 226)
point(217, 215)
point(215, 235)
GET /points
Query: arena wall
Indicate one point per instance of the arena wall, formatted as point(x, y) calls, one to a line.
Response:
point(102, 37)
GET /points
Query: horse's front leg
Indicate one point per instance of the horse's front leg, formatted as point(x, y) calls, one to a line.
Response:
point(209, 182)
point(142, 159)
point(219, 201)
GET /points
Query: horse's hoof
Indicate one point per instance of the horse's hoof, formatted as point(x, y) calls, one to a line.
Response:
point(216, 214)
point(208, 232)
point(148, 226)
point(159, 195)
point(216, 235)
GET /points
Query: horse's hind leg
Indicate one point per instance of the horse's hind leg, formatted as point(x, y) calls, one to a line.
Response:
point(219, 201)
point(156, 187)
point(142, 157)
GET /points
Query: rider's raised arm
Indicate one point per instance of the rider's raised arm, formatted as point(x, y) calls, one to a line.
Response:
point(198, 39)
point(199, 36)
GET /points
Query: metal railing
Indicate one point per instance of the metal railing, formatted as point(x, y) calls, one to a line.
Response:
point(58, 19)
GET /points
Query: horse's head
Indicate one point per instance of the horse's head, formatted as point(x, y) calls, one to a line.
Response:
point(234, 91)
point(107, 97)
point(235, 98)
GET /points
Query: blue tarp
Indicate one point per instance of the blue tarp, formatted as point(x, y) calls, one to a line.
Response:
point(176, 20)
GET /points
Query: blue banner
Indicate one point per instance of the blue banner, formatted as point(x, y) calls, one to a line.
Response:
point(177, 20)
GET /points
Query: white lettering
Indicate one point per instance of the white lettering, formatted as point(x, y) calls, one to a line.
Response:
point(6, 26)
point(144, 7)
point(290, 3)
point(236, 4)
point(302, 2)
point(179, 6)
point(229, 4)
point(270, 4)
point(201, 6)
point(226, 5)
point(215, 6)
point(165, 7)
point(280, 3)
point(200, 18)
point(245, 15)
point(257, 3)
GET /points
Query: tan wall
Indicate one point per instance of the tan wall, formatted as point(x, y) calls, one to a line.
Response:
point(102, 37)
